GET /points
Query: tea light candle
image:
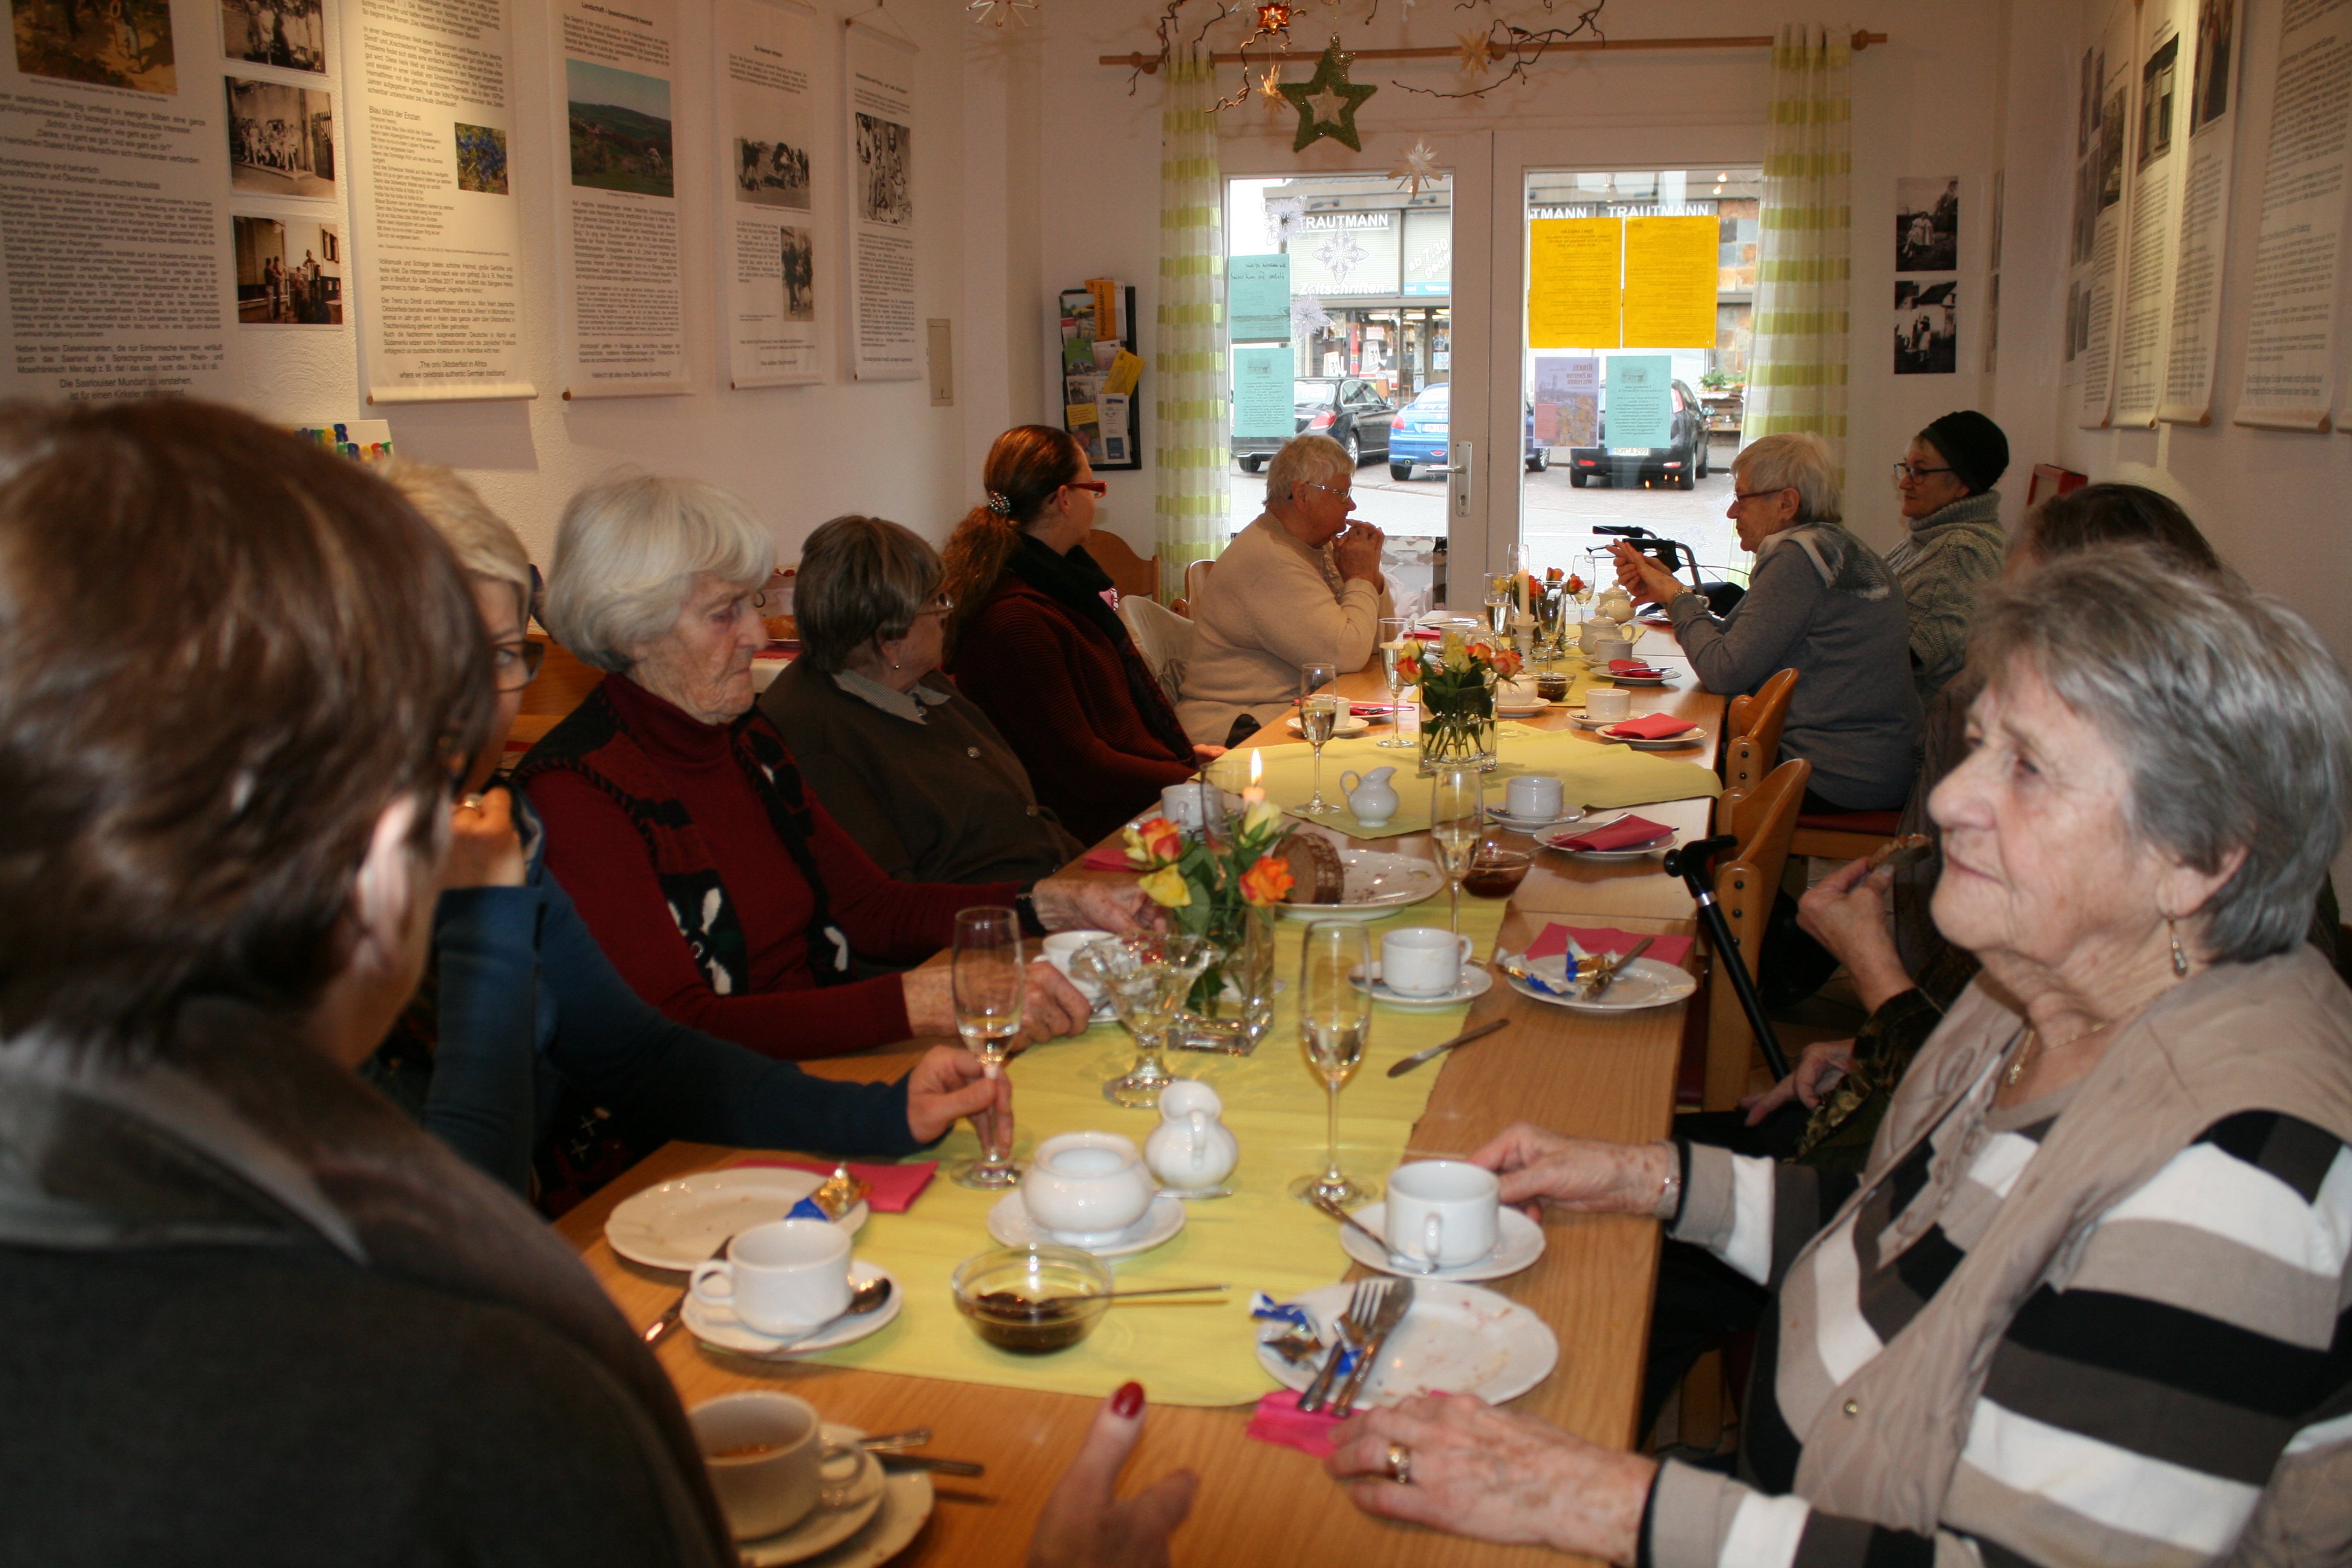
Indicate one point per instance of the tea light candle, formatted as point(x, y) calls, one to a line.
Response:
point(1256, 792)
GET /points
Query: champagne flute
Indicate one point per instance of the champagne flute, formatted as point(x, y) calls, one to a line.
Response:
point(1498, 603)
point(1318, 716)
point(1396, 662)
point(1457, 811)
point(990, 981)
point(1335, 1025)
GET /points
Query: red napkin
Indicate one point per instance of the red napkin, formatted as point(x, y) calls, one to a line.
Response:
point(1652, 727)
point(1279, 1420)
point(894, 1186)
point(1109, 858)
point(1631, 666)
point(1622, 834)
point(1606, 939)
point(1427, 635)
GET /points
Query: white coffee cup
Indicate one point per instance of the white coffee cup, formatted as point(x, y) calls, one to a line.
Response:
point(764, 1452)
point(783, 1278)
point(1610, 703)
point(1445, 1211)
point(1422, 961)
point(1182, 803)
point(1534, 798)
point(1609, 648)
point(1062, 946)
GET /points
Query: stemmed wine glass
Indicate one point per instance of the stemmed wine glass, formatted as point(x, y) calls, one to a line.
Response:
point(990, 981)
point(1498, 603)
point(1318, 716)
point(1335, 1023)
point(1396, 661)
point(1457, 813)
point(1147, 976)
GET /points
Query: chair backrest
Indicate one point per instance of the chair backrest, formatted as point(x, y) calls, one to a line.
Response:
point(1763, 818)
point(1751, 730)
point(1196, 577)
point(1131, 574)
point(1163, 638)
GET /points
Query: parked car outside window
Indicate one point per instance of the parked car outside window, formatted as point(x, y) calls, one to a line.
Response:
point(1681, 463)
point(1418, 436)
point(1349, 409)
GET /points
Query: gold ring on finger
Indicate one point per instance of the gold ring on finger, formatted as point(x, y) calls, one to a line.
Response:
point(1399, 1464)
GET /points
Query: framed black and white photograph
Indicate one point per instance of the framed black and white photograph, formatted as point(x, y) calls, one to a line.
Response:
point(1927, 326)
point(281, 140)
point(1927, 223)
point(885, 171)
point(288, 33)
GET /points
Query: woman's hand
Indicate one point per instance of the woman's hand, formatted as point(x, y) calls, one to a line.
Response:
point(1084, 1524)
point(1817, 1072)
point(949, 1084)
point(1208, 753)
point(485, 851)
point(1847, 911)
point(1095, 900)
point(1496, 1475)
point(1050, 1005)
point(1642, 576)
point(1583, 1174)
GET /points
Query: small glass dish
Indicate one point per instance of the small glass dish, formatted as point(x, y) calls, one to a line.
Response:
point(1496, 873)
point(1032, 1299)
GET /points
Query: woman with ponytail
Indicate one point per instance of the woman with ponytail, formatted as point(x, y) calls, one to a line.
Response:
point(1034, 642)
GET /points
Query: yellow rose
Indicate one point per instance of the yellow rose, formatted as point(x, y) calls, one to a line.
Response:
point(1167, 887)
point(1261, 815)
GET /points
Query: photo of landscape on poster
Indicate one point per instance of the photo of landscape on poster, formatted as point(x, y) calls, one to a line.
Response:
point(620, 130)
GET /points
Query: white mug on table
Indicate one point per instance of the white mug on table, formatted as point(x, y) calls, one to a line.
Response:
point(1610, 703)
point(1422, 961)
point(783, 1278)
point(1534, 796)
point(1442, 1211)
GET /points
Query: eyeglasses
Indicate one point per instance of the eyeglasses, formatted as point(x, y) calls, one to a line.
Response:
point(1343, 493)
point(1910, 471)
point(515, 665)
point(538, 597)
point(1098, 486)
point(940, 606)
point(1751, 495)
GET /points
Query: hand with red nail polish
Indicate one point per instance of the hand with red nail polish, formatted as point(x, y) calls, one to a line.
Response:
point(1084, 1524)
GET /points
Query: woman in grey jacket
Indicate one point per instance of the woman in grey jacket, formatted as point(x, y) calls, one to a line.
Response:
point(1955, 544)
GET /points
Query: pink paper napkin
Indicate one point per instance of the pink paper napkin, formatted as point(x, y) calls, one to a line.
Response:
point(1652, 727)
point(1622, 834)
point(1631, 666)
point(1109, 858)
point(894, 1186)
point(1279, 1420)
point(1606, 939)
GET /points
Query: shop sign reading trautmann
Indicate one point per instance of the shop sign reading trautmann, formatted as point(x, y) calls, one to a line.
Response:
point(1345, 253)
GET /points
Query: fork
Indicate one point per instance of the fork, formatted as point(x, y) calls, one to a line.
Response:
point(1396, 1300)
point(1354, 1324)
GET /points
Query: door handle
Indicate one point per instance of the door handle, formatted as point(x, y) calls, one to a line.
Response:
point(1460, 481)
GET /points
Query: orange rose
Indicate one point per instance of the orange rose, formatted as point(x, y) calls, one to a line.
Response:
point(1267, 882)
point(1507, 664)
point(1154, 843)
point(1575, 584)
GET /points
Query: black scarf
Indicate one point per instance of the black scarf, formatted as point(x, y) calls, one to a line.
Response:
point(1076, 583)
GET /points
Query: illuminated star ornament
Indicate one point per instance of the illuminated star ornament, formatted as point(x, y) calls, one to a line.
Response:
point(1419, 164)
point(1327, 102)
point(1474, 52)
point(999, 13)
point(1275, 18)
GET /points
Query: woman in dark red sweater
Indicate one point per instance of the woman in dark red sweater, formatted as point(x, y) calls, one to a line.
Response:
point(717, 885)
point(1034, 642)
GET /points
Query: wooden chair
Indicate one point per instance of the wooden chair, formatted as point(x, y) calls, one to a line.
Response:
point(1196, 577)
point(1763, 818)
point(1843, 835)
point(1163, 638)
point(1131, 574)
point(565, 682)
point(1751, 730)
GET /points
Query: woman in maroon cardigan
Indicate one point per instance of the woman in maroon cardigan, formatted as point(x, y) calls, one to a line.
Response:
point(677, 821)
point(1035, 644)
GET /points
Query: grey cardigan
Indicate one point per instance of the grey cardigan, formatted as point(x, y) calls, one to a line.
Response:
point(1941, 563)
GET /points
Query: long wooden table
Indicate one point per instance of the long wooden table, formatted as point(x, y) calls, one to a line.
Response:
point(1607, 1077)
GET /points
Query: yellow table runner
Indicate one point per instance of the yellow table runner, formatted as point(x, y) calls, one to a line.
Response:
point(1595, 777)
point(1258, 1239)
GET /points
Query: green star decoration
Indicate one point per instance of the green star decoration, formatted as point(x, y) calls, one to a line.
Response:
point(1327, 102)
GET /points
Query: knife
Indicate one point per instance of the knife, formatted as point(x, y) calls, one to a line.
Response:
point(1393, 1308)
point(1599, 984)
point(1463, 1038)
point(891, 1461)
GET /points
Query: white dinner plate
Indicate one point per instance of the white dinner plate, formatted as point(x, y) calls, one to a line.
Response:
point(716, 1323)
point(843, 1509)
point(1520, 1243)
point(1501, 818)
point(1521, 709)
point(1643, 983)
point(1377, 883)
point(1353, 724)
point(677, 1223)
point(1457, 1339)
point(1635, 852)
point(1474, 983)
point(1011, 1224)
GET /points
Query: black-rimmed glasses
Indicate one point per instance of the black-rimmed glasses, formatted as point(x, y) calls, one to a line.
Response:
point(1912, 471)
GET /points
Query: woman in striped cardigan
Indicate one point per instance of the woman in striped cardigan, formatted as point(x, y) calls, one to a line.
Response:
point(2088, 1301)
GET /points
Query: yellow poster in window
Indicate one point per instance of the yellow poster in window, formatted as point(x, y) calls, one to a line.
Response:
point(1572, 282)
point(1669, 278)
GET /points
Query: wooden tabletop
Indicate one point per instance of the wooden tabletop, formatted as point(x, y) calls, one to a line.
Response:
point(1608, 1077)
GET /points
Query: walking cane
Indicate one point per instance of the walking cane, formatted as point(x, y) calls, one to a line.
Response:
point(1693, 863)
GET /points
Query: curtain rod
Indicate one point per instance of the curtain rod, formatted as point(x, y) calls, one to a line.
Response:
point(1150, 64)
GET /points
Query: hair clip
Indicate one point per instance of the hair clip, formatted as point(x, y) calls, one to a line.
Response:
point(1002, 505)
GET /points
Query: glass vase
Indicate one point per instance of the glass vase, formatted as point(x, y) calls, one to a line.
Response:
point(1458, 728)
point(1231, 1004)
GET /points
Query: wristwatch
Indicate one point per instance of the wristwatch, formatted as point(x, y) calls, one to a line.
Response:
point(1025, 904)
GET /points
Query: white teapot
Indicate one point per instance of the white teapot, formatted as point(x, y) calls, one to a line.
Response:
point(1616, 603)
point(1190, 1151)
point(1373, 798)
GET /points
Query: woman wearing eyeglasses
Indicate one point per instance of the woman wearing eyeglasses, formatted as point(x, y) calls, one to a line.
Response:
point(910, 767)
point(1034, 642)
point(1954, 541)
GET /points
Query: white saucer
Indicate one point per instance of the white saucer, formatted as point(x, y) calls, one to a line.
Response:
point(1520, 1245)
point(1643, 983)
point(843, 1509)
point(1634, 852)
point(1584, 720)
point(906, 1503)
point(1659, 679)
point(677, 1223)
point(718, 1325)
point(1474, 983)
point(1353, 724)
point(1567, 814)
point(1457, 1339)
point(1011, 1224)
point(1521, 709)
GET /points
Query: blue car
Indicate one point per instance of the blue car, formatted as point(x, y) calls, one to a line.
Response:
point(1418, 434)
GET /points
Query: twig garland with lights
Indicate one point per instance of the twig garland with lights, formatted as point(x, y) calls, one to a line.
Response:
point(1522, 46)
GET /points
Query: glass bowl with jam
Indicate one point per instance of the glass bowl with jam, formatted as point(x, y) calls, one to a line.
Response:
point(1032, 1299)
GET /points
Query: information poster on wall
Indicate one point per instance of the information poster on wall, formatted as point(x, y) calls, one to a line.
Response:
point(1670, 276)
point(1263, 401)
point(1258, 298)
point(2157, 130)
point(2288, 380)
point(776, 269)
point(2115, 69)
point(621, 295)
point(880, 104)
point(1575, 266)
point(111, 203)
point(1640, 411)
point(437, 242)
point(1567, 399)
point(2212, 131)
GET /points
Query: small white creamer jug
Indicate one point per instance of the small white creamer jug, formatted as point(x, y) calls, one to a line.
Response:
point(1371, 798)
point(1190, 1151)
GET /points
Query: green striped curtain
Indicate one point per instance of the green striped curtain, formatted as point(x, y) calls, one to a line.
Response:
point(1192, 447)
point(1797, 363)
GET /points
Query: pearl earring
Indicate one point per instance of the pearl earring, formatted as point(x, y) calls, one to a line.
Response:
point(2180, 958)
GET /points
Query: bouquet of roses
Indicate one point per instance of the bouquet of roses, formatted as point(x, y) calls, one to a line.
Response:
point(1197, 879)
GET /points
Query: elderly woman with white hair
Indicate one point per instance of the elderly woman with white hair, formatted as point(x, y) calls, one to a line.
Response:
point(2086, 1302)
point(1820, 602)
point(722, 890)
point(1301, 584)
